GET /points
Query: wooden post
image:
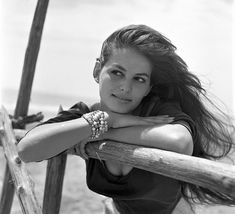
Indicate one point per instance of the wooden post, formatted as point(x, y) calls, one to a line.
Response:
point(21, 179)
point(54, 183)
point(22, 105)
point(30, 59)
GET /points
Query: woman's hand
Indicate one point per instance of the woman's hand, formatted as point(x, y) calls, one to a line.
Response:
point(116, 120)
point(80, 149)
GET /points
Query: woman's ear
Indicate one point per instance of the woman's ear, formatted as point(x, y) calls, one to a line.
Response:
point(96, 71)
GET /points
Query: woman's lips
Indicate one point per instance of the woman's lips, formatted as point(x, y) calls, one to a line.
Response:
point(122, 99)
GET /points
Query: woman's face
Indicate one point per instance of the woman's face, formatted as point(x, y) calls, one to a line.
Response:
point(124, 80)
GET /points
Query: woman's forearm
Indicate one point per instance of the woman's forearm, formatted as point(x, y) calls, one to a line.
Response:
point(172, 137)
point(49, 140)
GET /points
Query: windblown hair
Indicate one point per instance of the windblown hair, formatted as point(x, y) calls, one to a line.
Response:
point(171, 81)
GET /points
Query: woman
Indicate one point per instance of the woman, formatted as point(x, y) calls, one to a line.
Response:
point(149, 98)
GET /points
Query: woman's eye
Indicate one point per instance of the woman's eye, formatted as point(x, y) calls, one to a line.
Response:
point(140, 79)
point(117, 73)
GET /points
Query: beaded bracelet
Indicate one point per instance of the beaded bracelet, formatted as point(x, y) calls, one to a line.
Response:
point(98, 123)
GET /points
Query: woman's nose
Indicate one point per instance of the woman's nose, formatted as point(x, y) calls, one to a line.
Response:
point(126, 86)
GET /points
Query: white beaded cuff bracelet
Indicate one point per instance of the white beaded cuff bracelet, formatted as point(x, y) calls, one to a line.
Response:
point(97, 122)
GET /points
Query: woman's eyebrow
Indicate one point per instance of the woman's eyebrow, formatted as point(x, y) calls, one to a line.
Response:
point(123, 69)
point(118, 66)
point(142, 74)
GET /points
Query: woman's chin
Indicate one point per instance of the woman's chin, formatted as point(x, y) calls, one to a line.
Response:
point(120, 110)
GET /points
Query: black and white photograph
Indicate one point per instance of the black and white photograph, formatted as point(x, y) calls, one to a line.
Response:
point(117, 107)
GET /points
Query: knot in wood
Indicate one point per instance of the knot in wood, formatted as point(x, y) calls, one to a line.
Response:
point(1, 130)
point(17, 160)
point(20, 189)
point(102, 145)
point(160, 159)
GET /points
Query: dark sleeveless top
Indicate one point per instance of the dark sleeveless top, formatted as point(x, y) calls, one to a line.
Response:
point(140, 191)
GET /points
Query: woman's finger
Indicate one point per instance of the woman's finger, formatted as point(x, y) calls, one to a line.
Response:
point(158, 117)
point(159, 120)
point(150, 121)
point(77, 150)
point(82, 150)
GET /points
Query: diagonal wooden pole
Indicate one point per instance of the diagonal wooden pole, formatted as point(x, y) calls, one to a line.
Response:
point(22, 104)
point(22, 181)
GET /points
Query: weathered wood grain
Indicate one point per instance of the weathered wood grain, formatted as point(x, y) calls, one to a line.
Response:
point(23, 99)
point(210, 174)
point(202, 172)
point(23, 183)
point(54, 182)
point(30, 58)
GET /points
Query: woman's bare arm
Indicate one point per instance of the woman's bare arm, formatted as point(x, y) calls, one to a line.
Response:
point(48, 140)
point(172, 137)
point(160, 133)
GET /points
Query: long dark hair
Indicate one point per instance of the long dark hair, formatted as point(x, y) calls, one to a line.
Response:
point(171, 81)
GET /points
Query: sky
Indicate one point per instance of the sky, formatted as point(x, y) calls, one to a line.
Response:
point(75, 29)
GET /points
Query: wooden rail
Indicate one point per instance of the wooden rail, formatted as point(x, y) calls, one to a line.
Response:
point(213, 175)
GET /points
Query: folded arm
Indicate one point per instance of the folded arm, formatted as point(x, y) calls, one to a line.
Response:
point(172, 137)
point(48, 140)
